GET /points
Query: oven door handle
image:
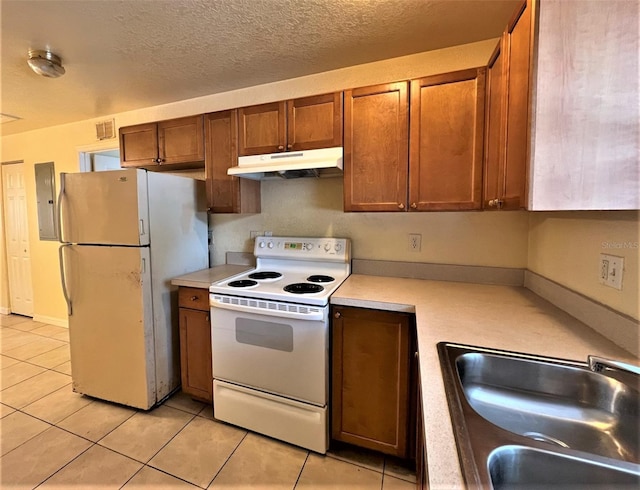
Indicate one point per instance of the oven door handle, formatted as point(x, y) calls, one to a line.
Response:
point(270, 308)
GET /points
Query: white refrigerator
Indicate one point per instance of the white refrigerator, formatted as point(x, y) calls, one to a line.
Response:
point(125, 234)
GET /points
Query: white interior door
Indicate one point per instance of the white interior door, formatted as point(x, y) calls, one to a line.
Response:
point(17, 238)
point(111, 323)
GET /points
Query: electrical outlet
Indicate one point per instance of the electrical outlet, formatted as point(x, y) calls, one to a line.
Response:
point(611, 271)
point(415, 242)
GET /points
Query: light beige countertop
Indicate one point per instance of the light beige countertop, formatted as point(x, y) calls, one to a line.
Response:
point(501, 317)
point(204, 278)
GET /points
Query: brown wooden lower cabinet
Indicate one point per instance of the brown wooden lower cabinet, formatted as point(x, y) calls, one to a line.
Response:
point(195, 343)
point(372, 360)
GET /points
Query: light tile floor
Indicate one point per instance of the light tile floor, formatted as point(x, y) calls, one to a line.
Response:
point(53, 438)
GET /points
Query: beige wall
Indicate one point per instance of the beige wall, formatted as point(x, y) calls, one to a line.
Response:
point(566, 246)
point(313, 207)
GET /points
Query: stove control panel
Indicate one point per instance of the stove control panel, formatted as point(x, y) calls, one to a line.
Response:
point(298, 248)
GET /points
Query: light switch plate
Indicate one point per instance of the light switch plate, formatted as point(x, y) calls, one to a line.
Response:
point(611, 271)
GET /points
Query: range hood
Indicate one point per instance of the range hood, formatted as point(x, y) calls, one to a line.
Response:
point(325, 162)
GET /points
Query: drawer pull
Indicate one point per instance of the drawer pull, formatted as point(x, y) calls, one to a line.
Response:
point(194, 298)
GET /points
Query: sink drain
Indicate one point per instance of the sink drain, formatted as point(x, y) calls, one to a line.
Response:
point(537, 436)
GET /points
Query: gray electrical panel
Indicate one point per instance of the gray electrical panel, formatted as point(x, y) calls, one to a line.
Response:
point(46, 196)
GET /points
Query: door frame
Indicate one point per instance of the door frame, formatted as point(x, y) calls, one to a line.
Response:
point(86, 151)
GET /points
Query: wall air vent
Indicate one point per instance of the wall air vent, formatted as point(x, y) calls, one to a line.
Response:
point(106, 129)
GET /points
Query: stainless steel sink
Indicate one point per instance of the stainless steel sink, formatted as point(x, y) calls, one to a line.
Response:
point(559, 404)
point(528, 468)
point(512, 412)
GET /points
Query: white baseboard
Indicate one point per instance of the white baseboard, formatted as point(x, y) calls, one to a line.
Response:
point(58, 322)
point(5, 311)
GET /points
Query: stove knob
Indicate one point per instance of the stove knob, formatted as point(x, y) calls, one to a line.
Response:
point(338, 247)
point(309, 246)
point(270, 245)
point(327, 247)
point(261, 244)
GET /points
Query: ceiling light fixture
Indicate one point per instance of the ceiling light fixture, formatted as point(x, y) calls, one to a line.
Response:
point(45, 63)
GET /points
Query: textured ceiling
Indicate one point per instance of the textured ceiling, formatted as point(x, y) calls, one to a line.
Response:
point(125, 55)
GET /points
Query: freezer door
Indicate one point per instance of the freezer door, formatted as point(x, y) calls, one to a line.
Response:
point(105, 207)
point(111, 323)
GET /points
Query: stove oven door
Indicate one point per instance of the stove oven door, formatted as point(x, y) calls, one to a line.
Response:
point(273, 347)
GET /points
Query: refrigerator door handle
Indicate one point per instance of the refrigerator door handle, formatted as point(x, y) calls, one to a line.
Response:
point(63, 278)
point(60, 239)
point(142, 232)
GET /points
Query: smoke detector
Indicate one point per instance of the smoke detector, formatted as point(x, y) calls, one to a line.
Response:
point(45, 63)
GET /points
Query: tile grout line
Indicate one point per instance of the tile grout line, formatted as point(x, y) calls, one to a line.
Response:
point(228, 458)
point(301, 470)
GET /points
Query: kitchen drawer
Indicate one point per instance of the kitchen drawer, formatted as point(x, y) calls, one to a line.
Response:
point(194, 298)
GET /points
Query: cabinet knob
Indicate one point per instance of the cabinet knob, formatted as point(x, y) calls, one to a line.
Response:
point(492, 203)
point(289, 146)
point(193, 298)
point(400, 206)
point(414, 205)
point(498, 203)
point(280, 147)
point(337, 314)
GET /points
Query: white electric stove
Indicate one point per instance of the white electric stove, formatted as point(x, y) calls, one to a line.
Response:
point(270, 339)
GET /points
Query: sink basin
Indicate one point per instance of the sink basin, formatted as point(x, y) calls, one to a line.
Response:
point(525, 421)
point(558, 404)
point(526, 468)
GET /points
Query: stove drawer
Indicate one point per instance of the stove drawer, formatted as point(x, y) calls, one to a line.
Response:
point(287, 420)
point(194, 298)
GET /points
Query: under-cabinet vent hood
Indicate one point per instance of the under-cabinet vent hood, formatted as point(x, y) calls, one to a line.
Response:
point(325, 162)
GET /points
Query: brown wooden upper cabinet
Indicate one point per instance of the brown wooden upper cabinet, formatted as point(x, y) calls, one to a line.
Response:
point(175, 144)
point(376, 147)
point(293, 125)
point(226, 193)
point(428, 157)
point(446, 141)
point(507, 117)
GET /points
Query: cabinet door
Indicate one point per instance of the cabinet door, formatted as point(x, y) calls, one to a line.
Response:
point(139, 145)
point(586, 130)
point(370, 379)
point(195, 354)
point(226, 193)
point(376, 148)
point(495, 127)
point(181, 141)
point(518, 47)
point(314, 122)
point(261, 129)
point(447, 134)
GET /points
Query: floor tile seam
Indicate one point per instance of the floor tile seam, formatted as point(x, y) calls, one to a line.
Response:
point(47, 368)
point(2, 388)
point(55, 424)
point(27, 440)
point(37, 399)
point(181, 409)
point(306, 458)
point(67, 464)
point(228, 458)
point(95, 442)
point(173, 475)
point(359, 465)
point(154, 454)
point(37, 355)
